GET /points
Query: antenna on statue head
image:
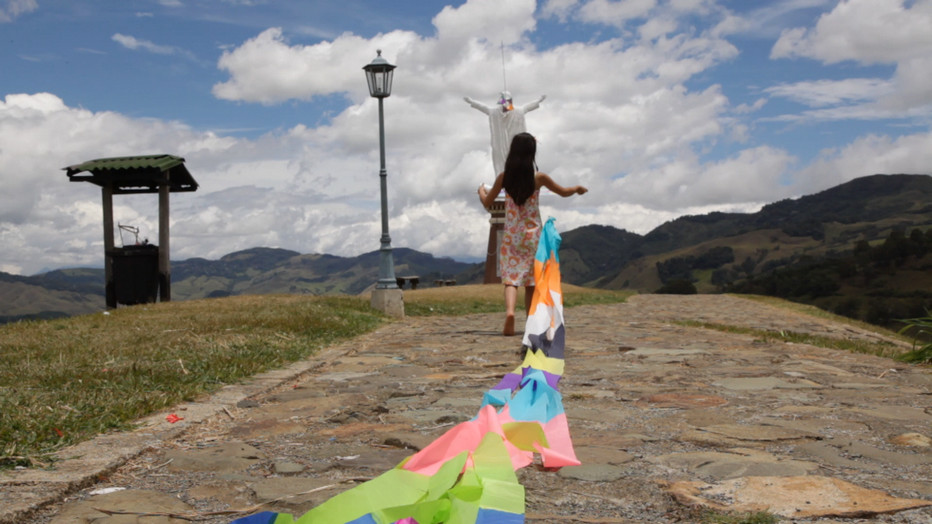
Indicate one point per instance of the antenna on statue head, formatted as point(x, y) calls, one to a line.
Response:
point(504, 80)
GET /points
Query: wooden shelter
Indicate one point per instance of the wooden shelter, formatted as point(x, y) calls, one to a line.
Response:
point(160, 174)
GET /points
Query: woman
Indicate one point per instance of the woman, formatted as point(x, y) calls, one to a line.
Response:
point(522, 183)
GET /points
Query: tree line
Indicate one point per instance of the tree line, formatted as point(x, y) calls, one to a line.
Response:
point(881, 284)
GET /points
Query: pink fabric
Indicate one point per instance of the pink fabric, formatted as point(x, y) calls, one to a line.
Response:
point(465, 436)
point(559, 451)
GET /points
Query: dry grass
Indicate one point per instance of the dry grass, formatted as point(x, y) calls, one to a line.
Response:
point(821, 313)
point(64, 380)
point(489, 298)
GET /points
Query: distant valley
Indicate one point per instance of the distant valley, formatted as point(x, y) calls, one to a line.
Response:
point(831, 245)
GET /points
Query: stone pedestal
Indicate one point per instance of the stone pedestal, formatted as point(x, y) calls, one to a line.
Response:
point(389, 301)
point(496, 228)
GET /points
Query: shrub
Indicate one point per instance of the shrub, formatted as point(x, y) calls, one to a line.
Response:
point(677, 287)
point(920, 329)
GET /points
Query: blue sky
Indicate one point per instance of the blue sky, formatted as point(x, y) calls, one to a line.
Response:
point(661, 107)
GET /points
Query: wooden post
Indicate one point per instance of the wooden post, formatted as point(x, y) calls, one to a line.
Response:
point(109, 283)
point(165, 279)
point(496, 227)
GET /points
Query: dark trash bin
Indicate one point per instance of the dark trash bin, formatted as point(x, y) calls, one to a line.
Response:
point(136, 274)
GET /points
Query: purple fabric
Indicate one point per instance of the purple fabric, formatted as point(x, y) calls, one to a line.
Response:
point(513, 381)
point(510, 381)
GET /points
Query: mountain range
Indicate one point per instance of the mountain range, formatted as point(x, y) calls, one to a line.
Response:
point(713, 252)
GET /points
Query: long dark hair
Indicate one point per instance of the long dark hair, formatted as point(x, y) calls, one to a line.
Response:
point(520, 168)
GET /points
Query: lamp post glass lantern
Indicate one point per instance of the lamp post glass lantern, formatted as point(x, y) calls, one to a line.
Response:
point(379, 75)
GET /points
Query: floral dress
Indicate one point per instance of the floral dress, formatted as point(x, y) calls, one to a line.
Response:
point(519, 241)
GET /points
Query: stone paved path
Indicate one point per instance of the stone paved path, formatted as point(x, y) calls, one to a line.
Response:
point(665, 418)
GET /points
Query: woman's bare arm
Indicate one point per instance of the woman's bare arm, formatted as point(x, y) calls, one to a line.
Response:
point(488, 196)
point(544, 180)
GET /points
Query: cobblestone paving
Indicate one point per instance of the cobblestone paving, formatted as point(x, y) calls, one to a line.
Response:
point(665, 419)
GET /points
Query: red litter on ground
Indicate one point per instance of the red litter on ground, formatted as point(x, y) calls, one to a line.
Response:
point(173, 418)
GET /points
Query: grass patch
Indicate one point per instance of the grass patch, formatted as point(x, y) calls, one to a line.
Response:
point(66, 380)
point(756, 517)
point(882, 349)
point(814, 311)
point(489, 298)
point(921, 329)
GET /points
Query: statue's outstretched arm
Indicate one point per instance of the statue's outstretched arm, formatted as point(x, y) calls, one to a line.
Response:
point(533, 105)
point(481, 107)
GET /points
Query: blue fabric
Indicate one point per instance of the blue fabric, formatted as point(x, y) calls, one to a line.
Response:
point(536, 400)
point(549, 243)
point(266, 517)
point(365, 519)
point(494, 516)
point(496, 397)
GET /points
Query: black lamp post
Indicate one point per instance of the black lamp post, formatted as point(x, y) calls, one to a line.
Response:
point(379, 76)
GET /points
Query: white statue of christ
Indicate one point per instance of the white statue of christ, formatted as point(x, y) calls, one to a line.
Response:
point(505, 122)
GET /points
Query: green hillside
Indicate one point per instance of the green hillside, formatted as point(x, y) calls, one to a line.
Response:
point(257, 271)
point(810, 246)
point(808, 240)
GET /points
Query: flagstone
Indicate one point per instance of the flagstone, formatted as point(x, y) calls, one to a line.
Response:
point(429, 416)
point(267, 428)
point(592, 392)
point(665, 355)
point(287, 467)
point(725, 465)
point(702, 438)
point(912, 439)
point(618, 414)
point(592, 472)
point(458, 402)
point(233, 494)
point(914, 488)
point(359, 430)
point(226, 457)
point(703, 417)
point(131, 500)
point(405, 371)
point(300, 492)
point(806, 410)
point(904, 413)
point(763, 383)
point(362, 363)
point(310, 406)
point(765, 433)
point(832, 456)
point(410, 440)
point(818, 426)
point(343, 376)
point(855, 448)
point(615, 440)
point(791, 497)
point(680, 400)
point(857, 385)
point(372, 459)
point(602, 455)
point(810, 366)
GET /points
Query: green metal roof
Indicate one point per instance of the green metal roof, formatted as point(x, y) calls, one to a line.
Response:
point(135, 174)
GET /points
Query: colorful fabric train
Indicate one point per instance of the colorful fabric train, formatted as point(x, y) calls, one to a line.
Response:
point(467, 475)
